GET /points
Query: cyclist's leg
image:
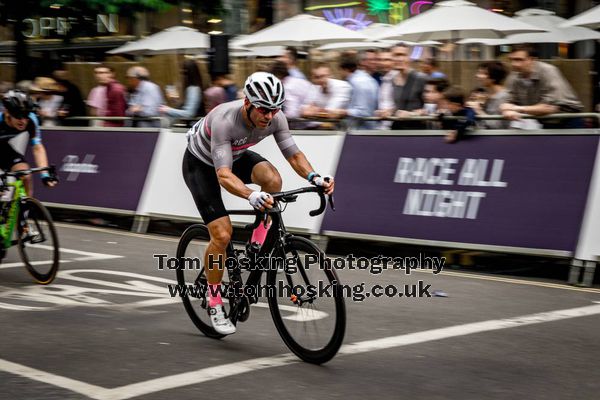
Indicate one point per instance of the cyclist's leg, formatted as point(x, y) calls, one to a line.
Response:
point(266, 175)
point(251, 167)
point(220, 231)
point(202, 182)
point(11, 160)
point(27, 182)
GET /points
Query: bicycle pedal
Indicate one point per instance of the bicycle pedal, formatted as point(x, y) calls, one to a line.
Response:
point(35, 237)
point(244, 312)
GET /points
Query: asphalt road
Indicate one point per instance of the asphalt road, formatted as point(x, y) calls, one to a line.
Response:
point(107, 328)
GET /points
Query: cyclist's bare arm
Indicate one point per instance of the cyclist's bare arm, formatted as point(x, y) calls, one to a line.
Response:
point(232, 183)
point(300, 164)
point(302, 167)
point(41, 159)
point(235, 186)
point(39, 154)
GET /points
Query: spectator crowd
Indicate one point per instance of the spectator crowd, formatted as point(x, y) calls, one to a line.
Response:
point(373, 83)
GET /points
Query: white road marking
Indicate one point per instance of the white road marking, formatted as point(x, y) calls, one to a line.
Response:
point(514, 281)
point(199, 376)
point(20, 264)
point(87, 256)
point(467, 275)
point(237, 368)
point(93, 391)
point(62, 295)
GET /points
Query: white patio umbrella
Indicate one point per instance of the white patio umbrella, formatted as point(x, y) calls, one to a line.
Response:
point(262, 51)
point(383, 44)
point(485, 42)
point(175, 39)
point(355, 45)
point(302, 31)
point(372, 31)
point(588, 19)
point(131, 47)
point(544, 19)
point(454, 20)
point(551, 22)
point(235, 50)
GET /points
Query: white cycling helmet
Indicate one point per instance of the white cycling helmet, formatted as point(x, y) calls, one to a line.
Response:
point(264, 90)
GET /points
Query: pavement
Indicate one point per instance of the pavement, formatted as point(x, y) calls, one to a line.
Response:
point(107, 328)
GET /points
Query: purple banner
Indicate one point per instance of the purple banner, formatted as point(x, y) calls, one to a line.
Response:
point(97, 168)
point(517, 191)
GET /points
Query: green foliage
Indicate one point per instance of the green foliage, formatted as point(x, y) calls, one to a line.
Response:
point(111, 6)
point(214, 7)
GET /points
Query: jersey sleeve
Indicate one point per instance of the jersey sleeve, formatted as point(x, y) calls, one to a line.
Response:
point(220, 145)
point(35, 133)
point(283, 137)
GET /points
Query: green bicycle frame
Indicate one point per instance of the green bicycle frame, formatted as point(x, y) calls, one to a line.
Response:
point(7, 229)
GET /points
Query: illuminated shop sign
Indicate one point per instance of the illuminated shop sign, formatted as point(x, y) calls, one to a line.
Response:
point(47, 26)
point(392, 12)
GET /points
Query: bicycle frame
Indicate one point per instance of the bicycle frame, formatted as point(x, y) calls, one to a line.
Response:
point(276, 237)
point(8, 228)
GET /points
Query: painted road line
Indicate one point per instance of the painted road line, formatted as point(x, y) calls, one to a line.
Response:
point(514, 281)
point(222, 371)
point(20, 264)
point(237, 368)
point(93, 391)
point(446, 273)
point(86, 256)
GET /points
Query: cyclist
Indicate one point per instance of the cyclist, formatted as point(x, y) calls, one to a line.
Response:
point(217, 155)
point(16, 118)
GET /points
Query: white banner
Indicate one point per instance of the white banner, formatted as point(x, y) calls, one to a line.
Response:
point(588, 246)
point(166, 194)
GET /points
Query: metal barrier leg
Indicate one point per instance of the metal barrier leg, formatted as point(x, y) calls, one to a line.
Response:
point(320, 241)
point(588, 273)
point(575, 271)
point(140, 224)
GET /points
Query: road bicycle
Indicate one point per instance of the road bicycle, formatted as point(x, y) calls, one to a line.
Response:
point(302, 289)
point(26, 223)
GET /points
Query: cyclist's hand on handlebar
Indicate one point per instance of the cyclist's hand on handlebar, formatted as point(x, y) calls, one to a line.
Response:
point(261, 200)
point(49, 180)
point(326, 182)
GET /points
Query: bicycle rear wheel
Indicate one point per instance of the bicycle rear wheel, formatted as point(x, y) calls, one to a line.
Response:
point(315, 329)
point(191, 278)
point(38, 241)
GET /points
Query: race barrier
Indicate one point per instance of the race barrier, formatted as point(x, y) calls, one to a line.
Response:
point(166, 194)
point(503, 192)
point(99, 169)
point(529, 192)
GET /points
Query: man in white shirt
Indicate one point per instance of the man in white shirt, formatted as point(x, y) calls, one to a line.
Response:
point(296, 94)
point(327, 94)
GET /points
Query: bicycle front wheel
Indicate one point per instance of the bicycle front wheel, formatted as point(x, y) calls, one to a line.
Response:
point(307, 306)
point(38, 241)
point(191, 278)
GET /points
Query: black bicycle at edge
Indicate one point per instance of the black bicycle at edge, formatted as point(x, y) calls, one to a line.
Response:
point(302, 289)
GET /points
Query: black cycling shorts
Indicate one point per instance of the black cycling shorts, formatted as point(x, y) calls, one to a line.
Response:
point(9, 156)
point(202, 181)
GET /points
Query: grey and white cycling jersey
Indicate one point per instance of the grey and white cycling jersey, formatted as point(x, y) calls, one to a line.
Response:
point(222, 136)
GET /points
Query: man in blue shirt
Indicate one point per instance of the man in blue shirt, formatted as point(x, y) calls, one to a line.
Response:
point(365, 90)
point(145, 98)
